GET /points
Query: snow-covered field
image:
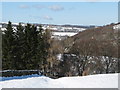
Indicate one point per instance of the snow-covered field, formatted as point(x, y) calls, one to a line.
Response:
point(64, 33)
point(92, 81)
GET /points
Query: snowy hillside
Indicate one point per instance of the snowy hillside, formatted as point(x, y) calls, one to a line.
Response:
point(64, 33)
point(93, 81)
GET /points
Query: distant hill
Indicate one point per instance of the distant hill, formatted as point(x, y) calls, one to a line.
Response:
point(102, 33)
point(105, 34)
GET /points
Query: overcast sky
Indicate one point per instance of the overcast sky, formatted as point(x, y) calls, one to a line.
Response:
point(81, 13)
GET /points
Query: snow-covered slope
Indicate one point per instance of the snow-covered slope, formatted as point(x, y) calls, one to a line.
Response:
point(64, 33)
point(92, 81)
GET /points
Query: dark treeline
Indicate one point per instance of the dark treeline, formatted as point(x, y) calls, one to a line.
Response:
point(24, 48)
point(31, 48)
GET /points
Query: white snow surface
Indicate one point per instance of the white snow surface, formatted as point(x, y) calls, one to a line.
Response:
point(64, 33)
point(91, 81)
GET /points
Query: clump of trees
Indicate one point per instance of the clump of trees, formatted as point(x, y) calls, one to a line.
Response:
point(25, 48)
point(31, 48)
point(98, 56)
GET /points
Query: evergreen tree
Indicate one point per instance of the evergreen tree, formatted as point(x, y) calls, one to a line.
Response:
point(9, 48)
point(41, 55)
point(34, 45)
point(31, 46)
point(20, 42)
point(26, 48)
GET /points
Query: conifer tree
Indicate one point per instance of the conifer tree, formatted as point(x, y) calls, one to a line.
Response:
point(20, 42)
point(9, 48)
point(41, 55)
point(33, 46)
point(27, 51)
